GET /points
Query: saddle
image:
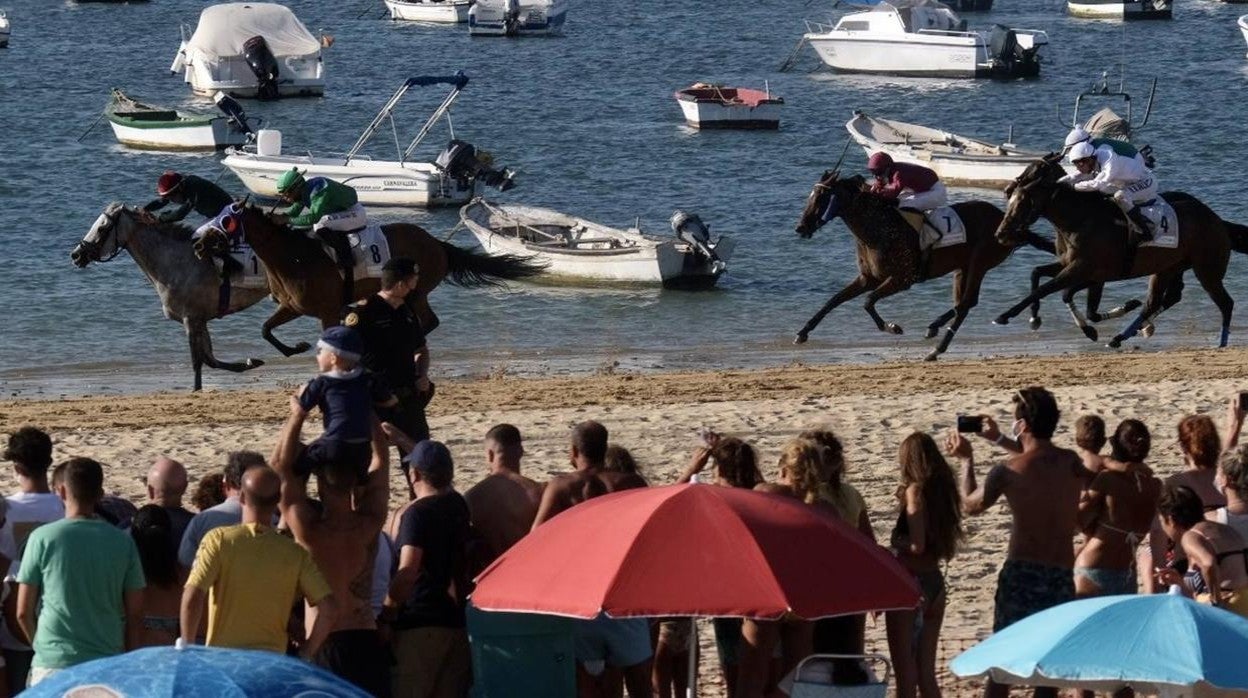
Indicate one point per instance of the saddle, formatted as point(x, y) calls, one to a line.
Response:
point(369, 248)
point(939, 227)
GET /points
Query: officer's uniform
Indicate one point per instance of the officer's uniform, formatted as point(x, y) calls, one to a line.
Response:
point(392, 336)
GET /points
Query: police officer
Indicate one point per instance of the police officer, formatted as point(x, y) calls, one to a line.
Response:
point(394, 346)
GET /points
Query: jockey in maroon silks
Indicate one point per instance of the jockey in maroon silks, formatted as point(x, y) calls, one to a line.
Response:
point(911, 186)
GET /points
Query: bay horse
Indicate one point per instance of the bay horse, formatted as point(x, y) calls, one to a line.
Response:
point(888, 252)
point(190, 288)
point(305, 281)
point(1093, 244)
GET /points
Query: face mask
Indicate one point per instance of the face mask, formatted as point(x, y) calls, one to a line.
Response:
point(1016, 430)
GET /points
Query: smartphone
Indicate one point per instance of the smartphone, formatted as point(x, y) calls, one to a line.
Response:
point(970, 423)
point(1243, 401)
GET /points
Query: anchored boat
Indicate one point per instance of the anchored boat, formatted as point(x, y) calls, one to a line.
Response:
point(451, 179)
point(1117, 9)
point(577, 248)
point(517, 17)
point(143, 126)
point(439, 11)
point(719, 106)
point(924, 38)
point(4, 29)
point(1243, 26)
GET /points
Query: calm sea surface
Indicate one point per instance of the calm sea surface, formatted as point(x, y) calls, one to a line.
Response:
point(589, 121)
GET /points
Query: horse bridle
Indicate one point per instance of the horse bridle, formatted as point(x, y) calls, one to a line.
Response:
point(92, 248)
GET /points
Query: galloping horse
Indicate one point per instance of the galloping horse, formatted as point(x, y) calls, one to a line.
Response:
point(190, 289)
point(888, 260)
point(306, 282)
point(1093, 246)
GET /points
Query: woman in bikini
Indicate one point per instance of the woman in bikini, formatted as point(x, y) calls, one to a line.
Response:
point(162, 598)
point(1116, 512)
point(1215, 570)
point(927, 534)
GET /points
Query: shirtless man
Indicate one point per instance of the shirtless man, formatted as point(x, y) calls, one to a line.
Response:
point(342, 539)
point(504, 504)
point(588, 452)
point(1042, 486)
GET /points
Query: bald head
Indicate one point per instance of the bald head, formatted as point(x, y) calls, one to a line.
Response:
point(262, 489)
point(166, 482)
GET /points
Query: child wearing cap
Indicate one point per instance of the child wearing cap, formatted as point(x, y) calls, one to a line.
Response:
point(346, 395)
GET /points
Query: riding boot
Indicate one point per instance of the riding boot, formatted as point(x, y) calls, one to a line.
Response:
point(925, 260)
point(1136, 216)
point(229, 265)
point(345, 258)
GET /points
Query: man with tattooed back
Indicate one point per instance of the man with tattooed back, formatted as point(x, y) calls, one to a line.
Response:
point(341, 534)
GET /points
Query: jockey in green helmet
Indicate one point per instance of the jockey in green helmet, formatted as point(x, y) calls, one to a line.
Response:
point(332, 210)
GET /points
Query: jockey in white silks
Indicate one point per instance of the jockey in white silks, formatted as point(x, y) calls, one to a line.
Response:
point(1126, 180)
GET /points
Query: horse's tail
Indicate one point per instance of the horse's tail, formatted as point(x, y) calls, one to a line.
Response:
point(1041, 243)
point(469, 268)
point(1239, 236)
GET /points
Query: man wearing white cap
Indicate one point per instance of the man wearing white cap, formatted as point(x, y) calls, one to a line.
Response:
point(1126, 180)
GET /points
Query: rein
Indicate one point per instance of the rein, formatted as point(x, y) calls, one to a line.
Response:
point(92, 248)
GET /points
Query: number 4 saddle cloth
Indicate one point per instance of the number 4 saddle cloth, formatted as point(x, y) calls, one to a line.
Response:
point(371, 248)
point(1164, 223)
point(939, 227)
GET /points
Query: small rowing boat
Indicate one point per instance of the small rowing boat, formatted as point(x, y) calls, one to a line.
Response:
point(720, 106)
point(957, 159)
point(574, 247)
point(143, 126)
point(439, 11)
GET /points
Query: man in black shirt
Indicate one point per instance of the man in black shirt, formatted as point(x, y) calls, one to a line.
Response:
point(394, 346)
point(426, 601)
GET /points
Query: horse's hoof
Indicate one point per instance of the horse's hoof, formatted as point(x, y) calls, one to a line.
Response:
point(1116, 342)
point(800, 338)
point(1034, 323)
point(1131, 305)
point(1091, 333)
point(932, 331)
point(892, 328)
point(1001, 320)
point(1147, 330)
point(252, 363)
point(931, 355)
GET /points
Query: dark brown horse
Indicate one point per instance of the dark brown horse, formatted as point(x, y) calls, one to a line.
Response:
point(888, 252)
point(1093, 245)
point(305, 281)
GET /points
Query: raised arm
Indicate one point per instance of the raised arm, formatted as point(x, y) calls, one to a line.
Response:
point(1234, 423)
point(975, 499)
point(294, 502)
point(375, 501)
point(700, 459)
point(992, 432)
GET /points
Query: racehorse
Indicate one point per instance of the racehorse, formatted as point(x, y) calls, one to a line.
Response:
point(305, 281)
point(190, 288)
point(888, 252)
point(1093, 245)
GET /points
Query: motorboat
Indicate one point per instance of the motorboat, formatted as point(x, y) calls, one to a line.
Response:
point(957, 159)
point(575, 248)
point(251, 50)
point(517, 17)
point(718, 106)
point(439, 11)
point(1243, 26)
point(4, 29)
point(143, 126)
point(450, 179)
point(924, 38)
point(1117, 9)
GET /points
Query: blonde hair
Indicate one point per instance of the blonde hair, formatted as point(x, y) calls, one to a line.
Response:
point(804, 466)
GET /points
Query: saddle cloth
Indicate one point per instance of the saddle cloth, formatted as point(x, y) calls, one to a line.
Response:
point(252, 275)
point(371, 250)
point(942, 227)
point(1164, 223)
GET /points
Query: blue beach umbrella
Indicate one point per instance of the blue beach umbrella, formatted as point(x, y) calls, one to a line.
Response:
point(1163, 644)
point(195, 672)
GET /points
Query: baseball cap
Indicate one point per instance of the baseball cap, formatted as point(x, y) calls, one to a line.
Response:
point(343, 341)
point(430, 457)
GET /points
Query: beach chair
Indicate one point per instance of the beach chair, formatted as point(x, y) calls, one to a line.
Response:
point(815, 677)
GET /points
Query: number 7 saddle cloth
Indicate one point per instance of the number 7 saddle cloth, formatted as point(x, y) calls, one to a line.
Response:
point(939, 227)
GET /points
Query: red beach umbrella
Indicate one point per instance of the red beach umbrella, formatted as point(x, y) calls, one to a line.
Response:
point(695, 550)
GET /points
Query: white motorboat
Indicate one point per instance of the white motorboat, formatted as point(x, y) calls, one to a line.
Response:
point(142, 126)
point(924, 38)
point(1117, 9)
point(4, 29)
point(719, 106)
point(517, 17)
point(251, 50)
point(450, 180)
point(576, 248)
point(1243, 26)
point(439, 11)
point(957, 159)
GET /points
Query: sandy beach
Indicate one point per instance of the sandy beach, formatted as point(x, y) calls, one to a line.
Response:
point(656, 416)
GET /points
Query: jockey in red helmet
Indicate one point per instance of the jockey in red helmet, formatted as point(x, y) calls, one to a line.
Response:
point(189, 193)
point(911, 186)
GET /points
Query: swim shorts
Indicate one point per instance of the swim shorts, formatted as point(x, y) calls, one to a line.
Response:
point(1025, 587)
point(620, 642)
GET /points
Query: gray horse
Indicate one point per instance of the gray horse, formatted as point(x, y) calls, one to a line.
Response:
point(189, 287)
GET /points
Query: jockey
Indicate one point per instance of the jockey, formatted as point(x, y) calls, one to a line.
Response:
point(1125, 179)
point(1123, 148)
point(911, 186)
point(332, 210)
point(190, 193)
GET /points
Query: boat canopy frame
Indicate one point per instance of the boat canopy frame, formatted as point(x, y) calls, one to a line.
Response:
point(1102, 92)
point(457, 83)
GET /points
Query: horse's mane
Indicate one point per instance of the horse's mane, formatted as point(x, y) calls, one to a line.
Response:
point(173, 230)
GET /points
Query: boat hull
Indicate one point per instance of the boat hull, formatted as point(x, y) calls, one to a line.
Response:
point(213, 135)
point(376, 183)
point(913, 55)
point(546, 19)
point(439, 12)
point(710, 115)
point(1115, 9)
point(1243, 27)
point(299, 76)
point(660, 262)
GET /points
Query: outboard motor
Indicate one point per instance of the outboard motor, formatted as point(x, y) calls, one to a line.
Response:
point(464, 163)
point(689, 228)
point(1009, 60)
point(511, 17)
point(233, 112)
point(262, 62)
